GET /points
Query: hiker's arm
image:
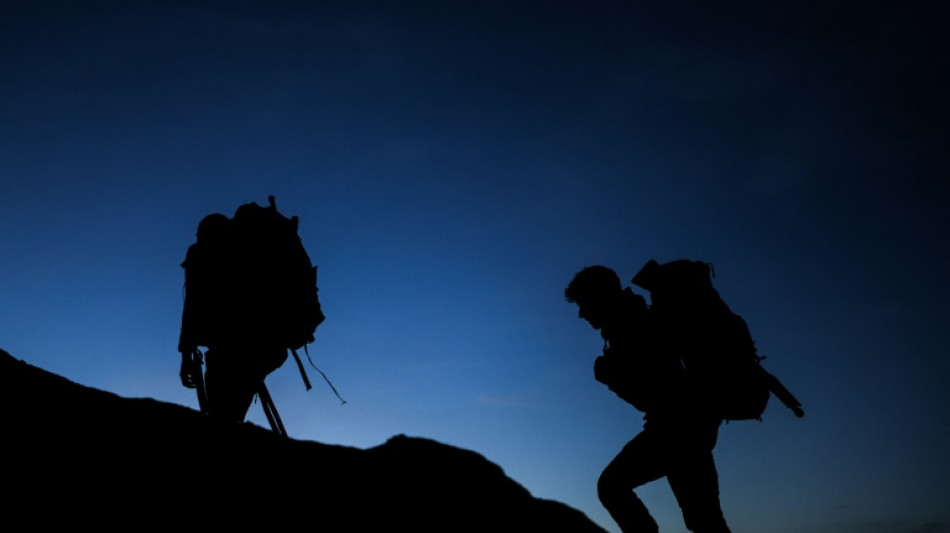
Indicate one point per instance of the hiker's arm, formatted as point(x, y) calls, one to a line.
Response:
point(612, 372)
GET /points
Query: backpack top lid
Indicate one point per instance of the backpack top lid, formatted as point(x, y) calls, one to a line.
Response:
point(682, 275)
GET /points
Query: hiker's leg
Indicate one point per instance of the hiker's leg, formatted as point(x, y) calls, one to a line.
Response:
point(696, 487)
point(229, 385)
point(695, 482)
point(638, 463)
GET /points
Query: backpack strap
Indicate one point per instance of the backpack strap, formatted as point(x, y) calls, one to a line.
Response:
point(304, 374)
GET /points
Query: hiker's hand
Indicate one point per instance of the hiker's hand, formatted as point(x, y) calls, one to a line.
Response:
point(189, 369)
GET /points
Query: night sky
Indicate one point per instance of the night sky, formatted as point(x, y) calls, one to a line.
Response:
point(453, 164)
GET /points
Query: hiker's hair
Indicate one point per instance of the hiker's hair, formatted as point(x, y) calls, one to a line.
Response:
point(593, 281)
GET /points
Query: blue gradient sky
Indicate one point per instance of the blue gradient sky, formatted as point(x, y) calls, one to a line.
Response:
point(453, 167)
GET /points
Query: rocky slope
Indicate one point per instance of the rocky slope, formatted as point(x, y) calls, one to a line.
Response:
point(82, 457)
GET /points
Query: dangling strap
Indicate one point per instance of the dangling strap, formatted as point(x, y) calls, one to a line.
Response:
point(306, 381)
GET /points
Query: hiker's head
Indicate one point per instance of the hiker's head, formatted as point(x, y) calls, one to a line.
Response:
point(596, 290)
point(212, 227)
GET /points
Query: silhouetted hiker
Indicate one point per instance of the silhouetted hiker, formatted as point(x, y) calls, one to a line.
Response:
point(641, 365)
point(251, 295)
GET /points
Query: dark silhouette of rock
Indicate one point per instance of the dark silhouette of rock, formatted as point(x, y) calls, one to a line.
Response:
point(79, 457)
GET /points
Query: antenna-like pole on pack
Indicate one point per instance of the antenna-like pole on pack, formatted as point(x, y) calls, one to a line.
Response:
point(270, 411)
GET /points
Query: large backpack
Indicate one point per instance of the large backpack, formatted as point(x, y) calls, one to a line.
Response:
point(713, 343)
point(248, 279)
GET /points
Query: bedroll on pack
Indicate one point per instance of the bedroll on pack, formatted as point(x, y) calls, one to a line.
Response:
point(248, 279)
point(713, 343)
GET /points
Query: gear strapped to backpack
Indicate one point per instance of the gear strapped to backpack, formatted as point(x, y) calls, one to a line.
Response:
point(248, 279)
point(713, 343)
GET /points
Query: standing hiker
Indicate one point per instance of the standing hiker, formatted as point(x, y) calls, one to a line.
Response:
point(250, 296)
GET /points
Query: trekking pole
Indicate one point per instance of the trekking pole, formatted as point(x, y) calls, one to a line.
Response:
point(785, 396)
point(270, 411)
point(196, 361)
